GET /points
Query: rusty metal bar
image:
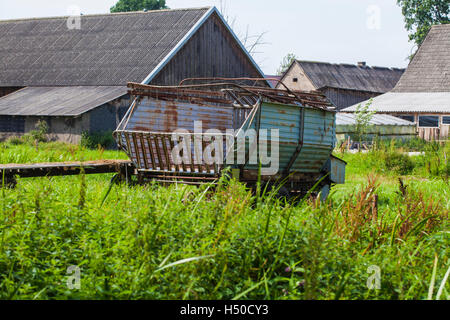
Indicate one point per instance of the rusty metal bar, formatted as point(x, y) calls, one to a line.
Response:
point(137, 149)
point(166, 165)
point(243, 79)
point(144, 151)
point(179, 97)
point(150, 146)
point(144, 87)
point(166, 152)
point(158, 152)
point(130, 150)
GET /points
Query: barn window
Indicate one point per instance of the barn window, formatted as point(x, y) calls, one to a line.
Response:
point(408, 117)
point(295, 79)
point(429, 121)
point(446, 120)
point(12, 124)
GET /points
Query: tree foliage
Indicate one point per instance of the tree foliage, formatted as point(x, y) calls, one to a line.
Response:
point(286, 63)
point(363, 116)
point(138, 5)
point(420, 15)
point(252, 42)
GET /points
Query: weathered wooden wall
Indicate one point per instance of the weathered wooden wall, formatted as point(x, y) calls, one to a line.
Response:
point(211, 52)
point(108, 116)
point(66, 129)
point(342, 98)
point(434, 134)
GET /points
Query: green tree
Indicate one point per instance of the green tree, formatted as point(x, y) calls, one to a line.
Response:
point(420, 15)
point(138, 5)
point(363, 116)
point(286, 63)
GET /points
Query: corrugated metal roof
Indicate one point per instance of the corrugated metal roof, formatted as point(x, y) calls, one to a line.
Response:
point(429, 71)
point(57, 101)
point(108, 50)
point(409, 102)
point(352, 77)
point(345, 119)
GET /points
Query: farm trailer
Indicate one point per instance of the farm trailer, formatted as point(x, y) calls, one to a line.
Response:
point(191, 133)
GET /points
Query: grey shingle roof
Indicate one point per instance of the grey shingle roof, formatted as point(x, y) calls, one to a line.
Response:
point(429, 71)
point(109, 50)
point(57, 101)
point(353, 77)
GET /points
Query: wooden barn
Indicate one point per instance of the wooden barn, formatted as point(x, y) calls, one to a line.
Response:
point(343, 84)
point(423, 93)
point(76, 79)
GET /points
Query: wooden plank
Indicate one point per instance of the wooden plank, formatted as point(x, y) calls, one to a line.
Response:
point(158, 152)
point(144, 151)
point(152, 156)
point(64, 168)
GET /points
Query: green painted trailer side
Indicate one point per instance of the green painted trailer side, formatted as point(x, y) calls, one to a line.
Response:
point(306, 136)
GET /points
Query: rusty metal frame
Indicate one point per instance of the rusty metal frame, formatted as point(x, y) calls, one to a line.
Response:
point(297, 94)
point(155, 156)
point(229, 93)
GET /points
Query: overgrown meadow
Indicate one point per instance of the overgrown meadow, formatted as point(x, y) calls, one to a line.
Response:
point(184, 242)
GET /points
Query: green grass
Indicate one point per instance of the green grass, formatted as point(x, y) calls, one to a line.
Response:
point(184, 242)
point(392, 160)
point(53, 152)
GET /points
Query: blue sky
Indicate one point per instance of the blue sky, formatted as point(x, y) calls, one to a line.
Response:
point(338, 31)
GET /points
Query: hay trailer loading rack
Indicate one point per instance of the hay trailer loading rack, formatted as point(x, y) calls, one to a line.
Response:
point(161, 118)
